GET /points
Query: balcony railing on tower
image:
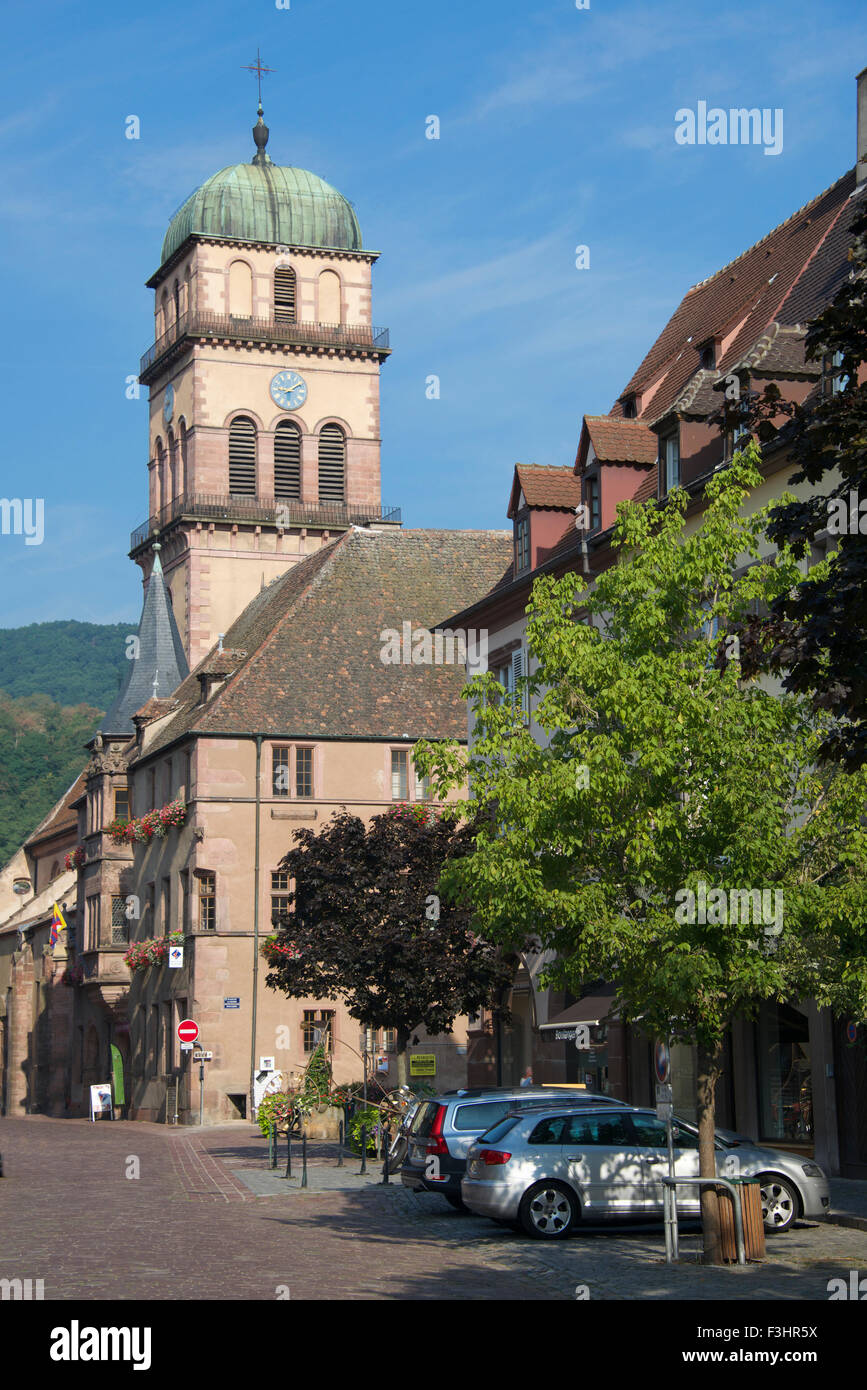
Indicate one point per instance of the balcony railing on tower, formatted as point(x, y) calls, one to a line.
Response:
point(230, 328)
point(270, 511)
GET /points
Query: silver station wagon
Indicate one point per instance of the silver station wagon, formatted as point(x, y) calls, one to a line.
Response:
point(545, 1170)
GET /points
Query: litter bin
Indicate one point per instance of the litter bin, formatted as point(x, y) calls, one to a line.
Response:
point(750, 1191)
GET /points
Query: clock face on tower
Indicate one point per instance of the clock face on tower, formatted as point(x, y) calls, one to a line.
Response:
point(288, 390)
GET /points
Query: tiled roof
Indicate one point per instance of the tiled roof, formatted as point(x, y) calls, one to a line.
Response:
point(647, 488)
point(314, 667)
point(782, 279)
point(617, 440)
point(61, 817)
point(545, 486)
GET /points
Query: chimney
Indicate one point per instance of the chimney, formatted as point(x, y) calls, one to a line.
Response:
point(861, 165)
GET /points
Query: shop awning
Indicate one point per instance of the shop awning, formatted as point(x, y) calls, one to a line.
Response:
point(595, 1009)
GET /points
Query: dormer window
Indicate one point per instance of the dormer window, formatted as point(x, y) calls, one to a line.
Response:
point(669, 462)
point(833, 381)
point(592, 501)
point(629, 408)
point(522, 544)
point(707, 355)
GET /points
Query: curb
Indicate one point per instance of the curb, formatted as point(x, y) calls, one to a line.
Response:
point(855, 1223)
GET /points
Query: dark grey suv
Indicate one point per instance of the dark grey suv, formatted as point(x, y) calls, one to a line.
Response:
point(444, 1129)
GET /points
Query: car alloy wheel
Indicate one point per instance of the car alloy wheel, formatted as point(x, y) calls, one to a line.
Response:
point(779, 1202)
point(548, 1211)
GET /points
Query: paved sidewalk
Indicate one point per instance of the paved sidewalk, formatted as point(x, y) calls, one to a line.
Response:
point(136, 1212)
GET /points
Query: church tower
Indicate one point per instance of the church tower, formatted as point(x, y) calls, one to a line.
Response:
point(264, 389)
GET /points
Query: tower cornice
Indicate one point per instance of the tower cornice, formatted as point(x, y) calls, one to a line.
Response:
point(318, 252)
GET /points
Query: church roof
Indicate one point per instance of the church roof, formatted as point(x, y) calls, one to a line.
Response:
point(266, 202)
point(312, 642)
point(160, 665)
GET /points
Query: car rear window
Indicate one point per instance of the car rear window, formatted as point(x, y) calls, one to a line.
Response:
point(499, 1131)
point(423, 1121)
point(482, 1116)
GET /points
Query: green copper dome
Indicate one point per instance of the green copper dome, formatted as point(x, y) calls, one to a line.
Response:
point(263, 201)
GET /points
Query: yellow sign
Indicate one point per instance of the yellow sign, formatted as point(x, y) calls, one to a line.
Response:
point(423, 1064)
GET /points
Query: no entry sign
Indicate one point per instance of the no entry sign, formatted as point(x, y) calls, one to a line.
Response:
point(188, 1031)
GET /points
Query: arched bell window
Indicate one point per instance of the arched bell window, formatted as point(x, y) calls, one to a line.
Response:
point(285, 286)
point(332, 464)
point(287, 461)
point(242, 457)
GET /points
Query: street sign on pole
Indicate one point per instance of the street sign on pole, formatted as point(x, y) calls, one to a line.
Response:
point(663, 1100)
point(662, 1060)
point(188, 1031)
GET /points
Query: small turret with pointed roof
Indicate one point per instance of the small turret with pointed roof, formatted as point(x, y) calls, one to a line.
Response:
point(158, 666)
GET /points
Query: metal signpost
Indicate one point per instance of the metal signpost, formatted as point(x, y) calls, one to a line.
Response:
point(188, 1031)
point(664, 1111)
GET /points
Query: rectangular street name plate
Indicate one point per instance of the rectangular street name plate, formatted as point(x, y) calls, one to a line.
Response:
point(200, 1056)
point(232, 1003)
point(664, 1109)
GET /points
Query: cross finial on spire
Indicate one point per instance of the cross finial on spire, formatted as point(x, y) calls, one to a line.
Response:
point(259, 70)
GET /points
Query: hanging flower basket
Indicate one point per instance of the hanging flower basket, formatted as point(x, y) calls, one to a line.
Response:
point(76, 858)
point(153, 824)
point(276, 950)
point(143, 954)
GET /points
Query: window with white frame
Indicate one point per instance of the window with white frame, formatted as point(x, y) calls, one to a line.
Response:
point(399, 774)
point(522, 544)
point(669, 462)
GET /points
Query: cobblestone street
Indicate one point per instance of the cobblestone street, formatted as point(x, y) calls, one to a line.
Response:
point(193, 1226)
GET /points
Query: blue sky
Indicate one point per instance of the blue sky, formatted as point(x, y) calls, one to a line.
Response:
point(557, 129)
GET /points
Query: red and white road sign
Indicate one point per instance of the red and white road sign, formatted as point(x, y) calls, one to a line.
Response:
point(188, 1031)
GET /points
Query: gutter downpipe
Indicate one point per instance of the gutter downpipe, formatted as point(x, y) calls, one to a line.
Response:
point(259, 738)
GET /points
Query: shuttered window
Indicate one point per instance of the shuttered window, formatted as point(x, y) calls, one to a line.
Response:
point(287, 461)
point(332, 464)
point(242, 457)
point(284, 294)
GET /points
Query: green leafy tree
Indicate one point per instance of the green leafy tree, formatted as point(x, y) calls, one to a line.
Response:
point(656, 773)
point(41, 753)
point(815, 635)
point(365, 925)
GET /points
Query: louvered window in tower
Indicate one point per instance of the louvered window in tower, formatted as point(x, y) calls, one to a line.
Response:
point(242, 457)
point(287, 461)
point(284, 294)
point(332, 464)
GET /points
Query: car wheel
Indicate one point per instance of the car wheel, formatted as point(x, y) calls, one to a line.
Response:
point(779, 1202)
point(548, 1211)
point(455, 1200)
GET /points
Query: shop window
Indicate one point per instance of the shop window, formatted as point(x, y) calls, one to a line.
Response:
point(785, 1074)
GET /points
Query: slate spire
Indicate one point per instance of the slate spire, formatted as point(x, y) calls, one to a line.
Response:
point(160, 665)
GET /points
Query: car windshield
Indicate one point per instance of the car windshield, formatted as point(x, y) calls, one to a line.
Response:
point(720, 1139)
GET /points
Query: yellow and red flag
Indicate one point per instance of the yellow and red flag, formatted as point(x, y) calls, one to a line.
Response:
point(58, 924)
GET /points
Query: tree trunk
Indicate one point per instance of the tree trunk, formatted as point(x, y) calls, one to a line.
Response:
point(403, 1036)
point(708, 1072)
